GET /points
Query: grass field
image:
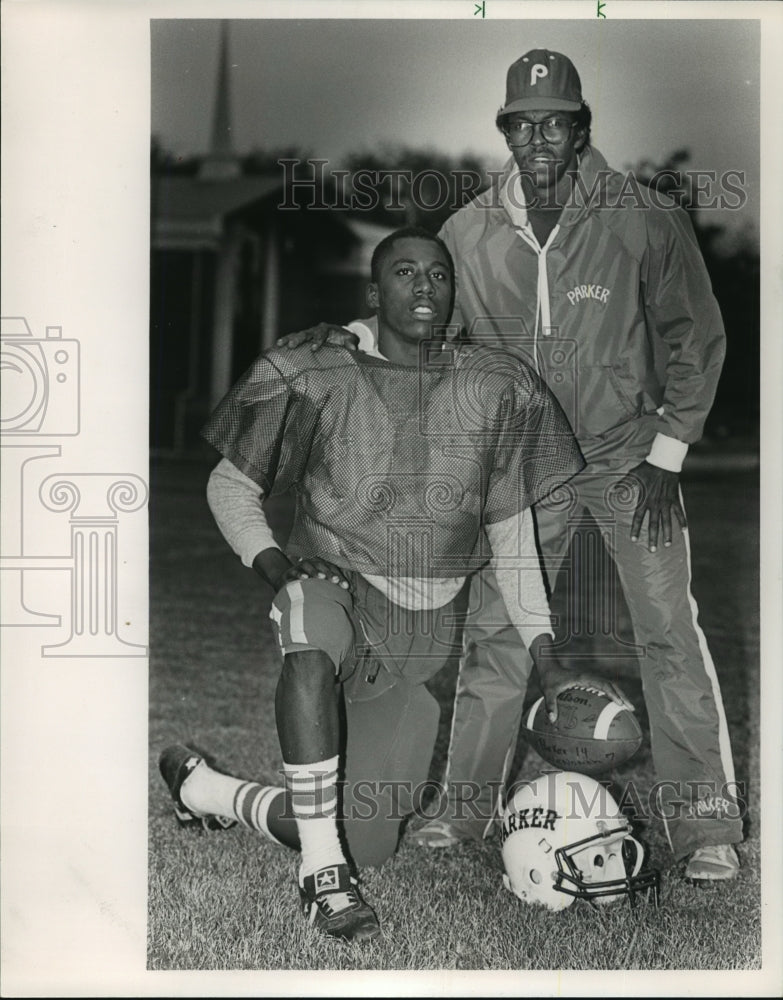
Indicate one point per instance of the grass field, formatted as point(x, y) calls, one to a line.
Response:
point(227, 900)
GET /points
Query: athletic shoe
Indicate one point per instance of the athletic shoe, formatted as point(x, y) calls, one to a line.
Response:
point(437, 833)
point(714, 863)
point(331, 902)
point(176, 765)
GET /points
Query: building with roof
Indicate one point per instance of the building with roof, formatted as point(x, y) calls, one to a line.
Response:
point(230, 272)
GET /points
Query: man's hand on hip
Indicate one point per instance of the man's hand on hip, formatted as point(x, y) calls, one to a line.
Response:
point(659, 497)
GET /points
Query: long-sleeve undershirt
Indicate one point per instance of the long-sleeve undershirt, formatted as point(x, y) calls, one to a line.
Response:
point(236, 503)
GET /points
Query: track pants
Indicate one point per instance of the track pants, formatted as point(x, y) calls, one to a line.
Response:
point(695, 794)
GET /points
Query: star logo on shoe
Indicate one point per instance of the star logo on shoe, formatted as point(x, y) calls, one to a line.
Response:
point(325, 879)
point(191, 762)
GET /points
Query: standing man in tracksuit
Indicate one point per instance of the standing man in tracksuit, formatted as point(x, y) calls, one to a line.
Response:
point(600, 285)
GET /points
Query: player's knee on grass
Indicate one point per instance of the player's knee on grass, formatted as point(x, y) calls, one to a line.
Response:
point(372, 842)
point(314, 615)
point(390, 742)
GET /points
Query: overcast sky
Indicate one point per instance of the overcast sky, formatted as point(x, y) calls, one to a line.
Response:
point(336, 86)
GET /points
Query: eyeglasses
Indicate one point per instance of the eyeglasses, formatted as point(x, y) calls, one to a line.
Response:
point(520, 132)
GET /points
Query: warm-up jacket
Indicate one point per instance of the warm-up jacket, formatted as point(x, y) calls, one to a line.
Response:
point(616, 310)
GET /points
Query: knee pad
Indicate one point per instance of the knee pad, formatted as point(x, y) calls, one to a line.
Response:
point(314, 614)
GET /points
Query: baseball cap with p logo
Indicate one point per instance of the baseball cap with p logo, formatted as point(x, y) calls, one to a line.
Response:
point(542, 80)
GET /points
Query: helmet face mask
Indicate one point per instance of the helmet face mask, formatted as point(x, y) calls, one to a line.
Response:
point(564, 838)
point(597, 869)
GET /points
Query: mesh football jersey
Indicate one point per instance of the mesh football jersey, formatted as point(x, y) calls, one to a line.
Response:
point(396, 469)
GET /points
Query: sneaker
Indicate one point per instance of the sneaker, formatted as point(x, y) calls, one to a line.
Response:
point(176, 764)
point(714, 863)
point(436, 834)
point(331, 902)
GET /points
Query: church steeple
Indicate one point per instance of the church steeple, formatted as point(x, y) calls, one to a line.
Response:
point(221, 163)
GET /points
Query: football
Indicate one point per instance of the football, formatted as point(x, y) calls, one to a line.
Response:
point(592, 734)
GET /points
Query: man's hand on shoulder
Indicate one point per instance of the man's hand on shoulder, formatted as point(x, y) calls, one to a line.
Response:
point(317, 336)
point(278, 570)
point(659, 497)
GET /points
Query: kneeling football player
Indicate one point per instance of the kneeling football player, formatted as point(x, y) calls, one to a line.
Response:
point(413, 461)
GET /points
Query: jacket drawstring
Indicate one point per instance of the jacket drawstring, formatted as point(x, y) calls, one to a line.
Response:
point(543, 307)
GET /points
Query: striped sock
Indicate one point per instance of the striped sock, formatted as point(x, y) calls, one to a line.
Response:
point(211, 793)
point(313, 791)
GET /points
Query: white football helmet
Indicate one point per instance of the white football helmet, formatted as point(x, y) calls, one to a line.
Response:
point(564, 837)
